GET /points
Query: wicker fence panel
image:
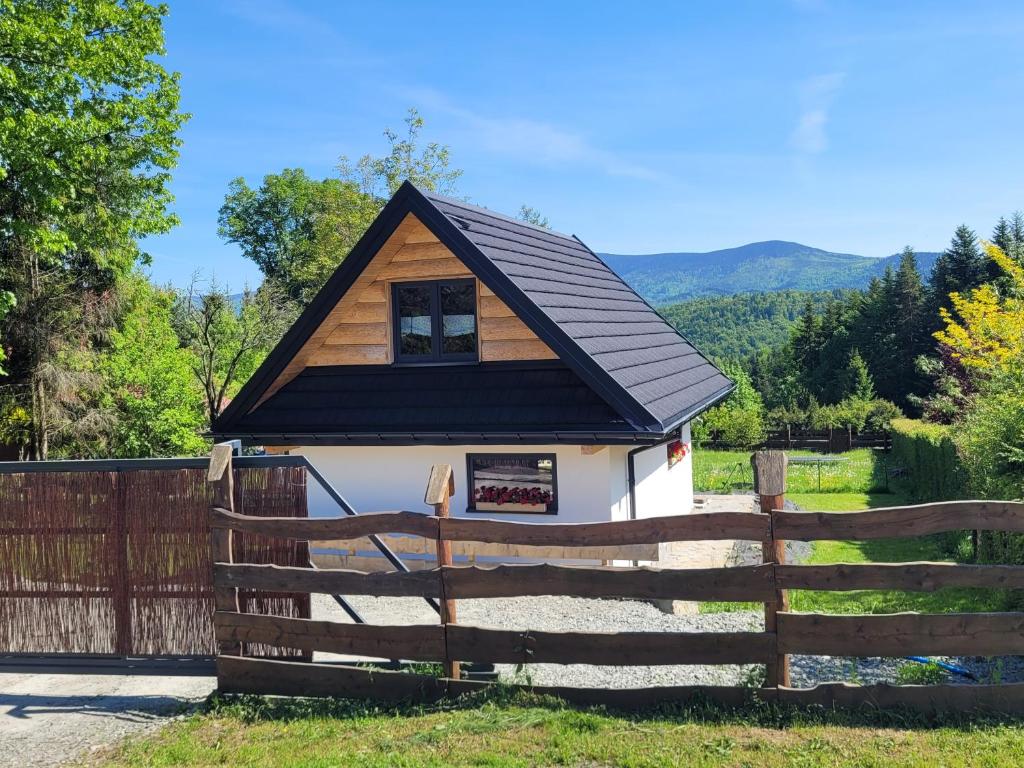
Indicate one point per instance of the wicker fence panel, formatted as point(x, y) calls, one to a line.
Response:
point(100, 562)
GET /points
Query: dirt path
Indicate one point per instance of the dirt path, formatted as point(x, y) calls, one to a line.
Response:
point(47, 719)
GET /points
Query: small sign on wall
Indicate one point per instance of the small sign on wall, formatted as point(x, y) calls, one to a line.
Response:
point(677, 451)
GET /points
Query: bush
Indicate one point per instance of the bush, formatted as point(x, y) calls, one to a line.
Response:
point(929, 456)
point(991, 438)
point(917, 673)
point(739, 420)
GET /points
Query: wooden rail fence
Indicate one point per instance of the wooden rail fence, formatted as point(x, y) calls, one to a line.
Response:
point(785, 632)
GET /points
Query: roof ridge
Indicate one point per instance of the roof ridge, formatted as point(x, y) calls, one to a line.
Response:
point(459, 203)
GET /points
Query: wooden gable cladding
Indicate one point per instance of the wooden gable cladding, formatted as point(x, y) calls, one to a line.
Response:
point(357, 331)
point(503, 336)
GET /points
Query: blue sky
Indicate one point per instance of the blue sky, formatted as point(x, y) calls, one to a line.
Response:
point(641, 127)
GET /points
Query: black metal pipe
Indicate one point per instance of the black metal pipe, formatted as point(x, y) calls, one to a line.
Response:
point(347, 508)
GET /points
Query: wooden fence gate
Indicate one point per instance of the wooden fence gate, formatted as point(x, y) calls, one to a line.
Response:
point(786, 632)
point(113, 557)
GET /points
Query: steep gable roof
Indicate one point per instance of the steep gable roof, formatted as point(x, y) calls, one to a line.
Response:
point(598, 326)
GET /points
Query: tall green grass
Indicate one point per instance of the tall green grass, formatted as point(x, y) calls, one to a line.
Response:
point(859, 471)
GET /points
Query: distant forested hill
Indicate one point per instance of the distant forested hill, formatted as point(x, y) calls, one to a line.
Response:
point(737, 326)
point(775, 265)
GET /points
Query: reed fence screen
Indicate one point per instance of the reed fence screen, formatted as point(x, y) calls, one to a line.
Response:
point(118, 562)
point(789, 633)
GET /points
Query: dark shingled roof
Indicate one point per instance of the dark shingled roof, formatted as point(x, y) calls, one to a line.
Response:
point(596, 308)
point(648, 376)
point(378, 401)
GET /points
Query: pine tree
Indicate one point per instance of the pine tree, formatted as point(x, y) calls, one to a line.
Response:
point(1017, 235)
point(910, 335)
point(1002, 238)
point(960, 267)
point(861, 387)
point(806, 340)
point(1002, 235)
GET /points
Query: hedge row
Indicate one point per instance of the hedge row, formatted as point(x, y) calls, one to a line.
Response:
point(928, 456)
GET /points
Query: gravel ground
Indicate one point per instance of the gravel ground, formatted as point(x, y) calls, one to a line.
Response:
point(46, 719)
point(571, 614)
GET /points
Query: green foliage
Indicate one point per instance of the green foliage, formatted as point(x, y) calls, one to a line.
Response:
point(298, 229)
point(860, 415)
point(148, 381)
point(88, 128)
point(928, 456)
point(739, 419)
point(532, 216)
point(990, 437)
point(859, 384)
point(228, 341)
point(7, 303)
point(88, 134)
point(739, 326)
point(865, 342)
point(959, 268)
point(427, 166)
point(516, 729)
point(860, 471)
point(295, 228)
point(921, 674)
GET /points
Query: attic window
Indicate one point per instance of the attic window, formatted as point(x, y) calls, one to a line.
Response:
point(434, 322)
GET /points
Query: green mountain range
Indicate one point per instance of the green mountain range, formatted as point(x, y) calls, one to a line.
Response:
point(735, 327)
point(774, 265)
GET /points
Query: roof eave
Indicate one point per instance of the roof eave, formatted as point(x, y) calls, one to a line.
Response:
point(438, 438)
point(696, 410)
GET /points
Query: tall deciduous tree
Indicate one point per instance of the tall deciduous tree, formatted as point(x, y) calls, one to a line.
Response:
point(148, 382)
point(88, 125)
point(298, 229)
point(428, 166)
point(229, 340)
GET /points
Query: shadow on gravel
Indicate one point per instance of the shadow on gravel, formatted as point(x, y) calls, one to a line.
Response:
point(129, 708)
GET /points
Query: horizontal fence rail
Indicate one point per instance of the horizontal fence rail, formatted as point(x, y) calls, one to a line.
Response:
point(285, 678)
point(704, 526)
point(971, 634)
point(896, 522)
point(469, 581)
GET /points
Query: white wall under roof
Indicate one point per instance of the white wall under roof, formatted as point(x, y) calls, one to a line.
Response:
point(591, 487)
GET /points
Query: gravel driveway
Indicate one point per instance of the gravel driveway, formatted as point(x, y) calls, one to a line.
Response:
point(573, 614)
point(46, 719)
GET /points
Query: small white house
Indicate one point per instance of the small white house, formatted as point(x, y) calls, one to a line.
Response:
point(454, 334)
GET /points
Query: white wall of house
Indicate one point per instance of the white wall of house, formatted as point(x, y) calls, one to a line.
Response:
point(387, 478)
point(660, 489)
point(591, 487)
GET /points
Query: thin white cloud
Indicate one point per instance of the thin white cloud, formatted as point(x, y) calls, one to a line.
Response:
point(809, 137)
point(535, 141)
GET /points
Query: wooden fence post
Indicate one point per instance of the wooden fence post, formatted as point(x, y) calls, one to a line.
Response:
point(770, 486)
point(221, 479)
point(440, 488)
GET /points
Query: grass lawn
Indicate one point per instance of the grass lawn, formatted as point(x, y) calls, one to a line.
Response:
point(862, 479)
point(528, 732)
point(860, 471)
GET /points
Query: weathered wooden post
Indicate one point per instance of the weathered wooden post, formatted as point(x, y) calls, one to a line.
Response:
point(440, 488)
point(770, 486)
point(221, 478)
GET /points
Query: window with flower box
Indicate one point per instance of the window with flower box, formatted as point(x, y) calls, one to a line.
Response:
point(512, 482)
